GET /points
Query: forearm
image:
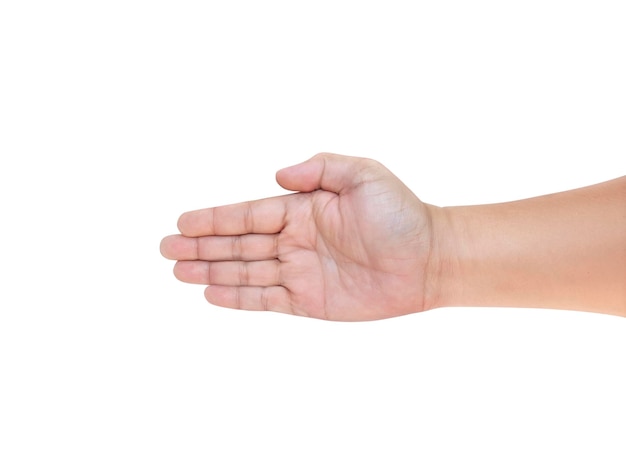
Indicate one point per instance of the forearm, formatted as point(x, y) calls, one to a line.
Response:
point(565, 250)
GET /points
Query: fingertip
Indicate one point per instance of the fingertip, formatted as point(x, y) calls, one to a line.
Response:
point(280, 178)
point(287, 177)
point(190, 224)
point(186, 271)
point(180, 223)
point(164, 246)
point(220, 296)
point(304, 177)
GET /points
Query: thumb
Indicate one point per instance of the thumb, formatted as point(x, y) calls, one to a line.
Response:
point(327, 171)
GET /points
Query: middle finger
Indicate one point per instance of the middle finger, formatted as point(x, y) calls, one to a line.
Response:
point(252, 247)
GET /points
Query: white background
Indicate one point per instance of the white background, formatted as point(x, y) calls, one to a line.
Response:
point(117, 116)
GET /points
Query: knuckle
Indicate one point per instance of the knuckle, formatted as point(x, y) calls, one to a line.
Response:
point(244, 274)
point(248, 218)
point(235, 247)
point(265, 301)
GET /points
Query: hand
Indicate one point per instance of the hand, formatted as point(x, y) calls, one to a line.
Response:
point(354, 243)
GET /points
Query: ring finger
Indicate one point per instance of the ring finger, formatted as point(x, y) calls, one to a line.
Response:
point(229, 273)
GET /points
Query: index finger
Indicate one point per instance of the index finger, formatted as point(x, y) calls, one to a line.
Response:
point(260, 216)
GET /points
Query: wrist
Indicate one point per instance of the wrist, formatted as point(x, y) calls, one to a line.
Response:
point(441, 285)
point(477, 259)
point(463, 273)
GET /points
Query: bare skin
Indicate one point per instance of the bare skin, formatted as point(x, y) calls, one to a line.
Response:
point(354, 243)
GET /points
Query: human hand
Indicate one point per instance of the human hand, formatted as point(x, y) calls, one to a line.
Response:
point(354, 243)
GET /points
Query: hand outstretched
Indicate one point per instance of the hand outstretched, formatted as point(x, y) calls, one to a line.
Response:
point(354, 243)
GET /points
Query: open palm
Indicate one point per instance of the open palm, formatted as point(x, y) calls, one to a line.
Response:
point(354, 243)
